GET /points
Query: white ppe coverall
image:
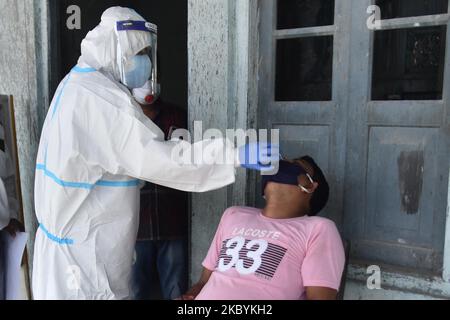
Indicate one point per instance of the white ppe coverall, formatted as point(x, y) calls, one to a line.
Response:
point(95, 146)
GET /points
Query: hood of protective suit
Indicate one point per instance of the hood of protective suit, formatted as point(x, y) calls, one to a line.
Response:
point(99, 49)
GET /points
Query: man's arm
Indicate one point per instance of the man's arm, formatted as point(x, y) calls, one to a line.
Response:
point(210, 260)
point(324, 262)
point(196, 288)
point(320, 293)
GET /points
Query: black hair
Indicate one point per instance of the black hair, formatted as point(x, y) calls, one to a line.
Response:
point(320, 196)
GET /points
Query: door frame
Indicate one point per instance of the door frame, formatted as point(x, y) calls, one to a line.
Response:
point(438, 286)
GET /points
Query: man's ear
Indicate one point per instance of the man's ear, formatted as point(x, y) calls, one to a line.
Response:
point(312, 189)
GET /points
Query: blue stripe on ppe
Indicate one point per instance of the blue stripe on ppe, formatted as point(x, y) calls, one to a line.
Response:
point(104, 183)
point(58, 98)
point(87, 186)
point(63, 183)
point(55, 238)
point(78, 69)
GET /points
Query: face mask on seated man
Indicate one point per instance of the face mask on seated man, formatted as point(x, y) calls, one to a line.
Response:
point(281, 252)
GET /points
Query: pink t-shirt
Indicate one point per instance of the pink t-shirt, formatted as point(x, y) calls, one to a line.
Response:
point(258, 258)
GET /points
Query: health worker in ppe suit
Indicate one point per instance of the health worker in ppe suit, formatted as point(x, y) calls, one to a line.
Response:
point(94, 150)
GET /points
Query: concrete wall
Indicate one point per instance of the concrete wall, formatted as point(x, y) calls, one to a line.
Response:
point(208, 102)
point(221, 93)
point(22, 46)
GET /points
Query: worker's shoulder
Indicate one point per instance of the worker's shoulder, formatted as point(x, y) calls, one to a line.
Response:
point(99, 83)
point(240, 210)
point(102, 89)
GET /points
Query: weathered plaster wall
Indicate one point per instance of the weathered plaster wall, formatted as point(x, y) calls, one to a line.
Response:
point(222, 94)
point(207, 101)
point(21, 75)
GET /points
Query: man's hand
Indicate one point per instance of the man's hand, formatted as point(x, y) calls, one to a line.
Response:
point(195, 290)
point(192, 292)
point(14, 227)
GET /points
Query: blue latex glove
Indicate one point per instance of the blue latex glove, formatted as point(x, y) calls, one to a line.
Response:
point(259, 156)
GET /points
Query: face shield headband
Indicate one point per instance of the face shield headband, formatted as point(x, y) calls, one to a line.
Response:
point(135, 71)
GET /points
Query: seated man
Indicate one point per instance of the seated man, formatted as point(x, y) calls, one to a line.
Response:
point(282, 252)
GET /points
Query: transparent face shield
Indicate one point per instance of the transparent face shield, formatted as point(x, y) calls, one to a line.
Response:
point(140, 70)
